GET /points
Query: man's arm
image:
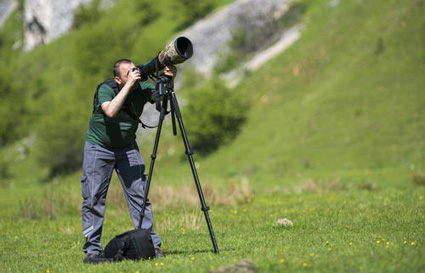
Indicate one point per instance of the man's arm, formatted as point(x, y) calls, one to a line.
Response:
point(111, 108)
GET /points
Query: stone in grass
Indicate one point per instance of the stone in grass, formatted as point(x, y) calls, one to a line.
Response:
point(243, 266)
point(284, 222)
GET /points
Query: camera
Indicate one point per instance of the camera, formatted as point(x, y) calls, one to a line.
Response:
point(176, 52)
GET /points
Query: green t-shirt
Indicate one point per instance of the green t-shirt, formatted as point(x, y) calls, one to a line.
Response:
point(118, 132)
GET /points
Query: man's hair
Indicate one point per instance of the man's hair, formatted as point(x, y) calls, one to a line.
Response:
point(117, 66)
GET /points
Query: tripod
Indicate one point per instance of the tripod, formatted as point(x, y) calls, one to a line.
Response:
point(166, 91)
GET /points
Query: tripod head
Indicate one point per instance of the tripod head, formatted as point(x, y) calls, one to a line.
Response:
point(164, 85)
point(164, 93)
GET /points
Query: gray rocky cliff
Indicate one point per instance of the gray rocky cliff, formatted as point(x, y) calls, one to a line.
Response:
point(212, 35)
point(46, 20)
point(6, 8)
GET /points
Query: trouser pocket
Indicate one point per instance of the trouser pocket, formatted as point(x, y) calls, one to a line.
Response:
point(84, 187)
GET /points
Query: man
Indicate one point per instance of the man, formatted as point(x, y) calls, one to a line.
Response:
point(110, 144)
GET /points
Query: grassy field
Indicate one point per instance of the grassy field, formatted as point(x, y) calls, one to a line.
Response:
point(335, 230)
point(333, 141)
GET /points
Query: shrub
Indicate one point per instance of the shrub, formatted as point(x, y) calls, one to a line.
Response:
point(4, 169)
point(294, 15)
point(419, 178)
point(214, 115)
point(12, 109)
point(197, 10)
point(147, 11)
point(253, 35)
point(60, 140)
point(86, 14)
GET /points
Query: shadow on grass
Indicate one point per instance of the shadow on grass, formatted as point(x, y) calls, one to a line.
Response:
point(177, 252)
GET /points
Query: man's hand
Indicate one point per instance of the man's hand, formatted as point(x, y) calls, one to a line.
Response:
point(170, 71)
point(133, 78)
point(128, 81)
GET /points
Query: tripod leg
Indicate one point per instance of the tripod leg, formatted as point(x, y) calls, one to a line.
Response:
point(189, 153)
point(153, 157)
point(173, 119)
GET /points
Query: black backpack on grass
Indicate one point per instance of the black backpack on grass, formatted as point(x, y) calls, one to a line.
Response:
point(133, 245)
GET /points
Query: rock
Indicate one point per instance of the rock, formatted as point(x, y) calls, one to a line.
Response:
point(47, 20)
point(211, 36)
point(244, 266)
point(284, 222)
point(6, 8)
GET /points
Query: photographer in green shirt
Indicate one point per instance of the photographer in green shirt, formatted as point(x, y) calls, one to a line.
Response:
point(110, 144)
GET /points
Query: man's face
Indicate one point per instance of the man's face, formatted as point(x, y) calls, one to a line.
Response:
point(125, 69)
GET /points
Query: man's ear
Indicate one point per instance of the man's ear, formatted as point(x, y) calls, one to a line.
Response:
point(118, 80)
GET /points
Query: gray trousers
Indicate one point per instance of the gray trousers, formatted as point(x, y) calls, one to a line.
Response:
point(97, 171)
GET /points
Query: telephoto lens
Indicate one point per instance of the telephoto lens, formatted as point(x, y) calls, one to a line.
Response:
point(176, 52)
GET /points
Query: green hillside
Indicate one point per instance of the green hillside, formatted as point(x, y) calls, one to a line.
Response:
point(344, 102)
point(48, 91)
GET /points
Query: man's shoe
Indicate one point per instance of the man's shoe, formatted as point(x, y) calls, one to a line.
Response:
point(95, 259)
point(159, 253)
